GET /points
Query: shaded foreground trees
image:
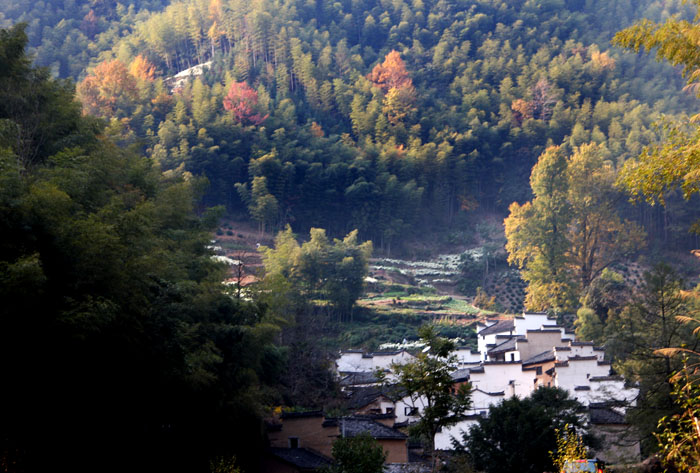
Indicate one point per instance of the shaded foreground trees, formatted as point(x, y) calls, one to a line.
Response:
point(118, 348)
point(637, 338)
point(679, 434)
point(518, 433)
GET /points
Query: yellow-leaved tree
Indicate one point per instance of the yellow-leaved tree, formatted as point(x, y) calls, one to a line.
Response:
point(570, 231)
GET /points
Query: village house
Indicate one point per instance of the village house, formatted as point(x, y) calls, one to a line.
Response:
point(305, 440)
point(514, 357)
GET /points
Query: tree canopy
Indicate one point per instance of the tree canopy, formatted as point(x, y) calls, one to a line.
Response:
point(318, 268)
point(428, 382)
point(525, 429)
point(118, 346)
point(570, 232)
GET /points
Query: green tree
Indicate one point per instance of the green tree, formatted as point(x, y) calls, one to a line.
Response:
point(320, 269)
point(679, 434)
point(638, 339)
point(524, 428)
point(674, 161)
point(605, 298)
point(359, 454)
point(262, 205)
point(428, 382)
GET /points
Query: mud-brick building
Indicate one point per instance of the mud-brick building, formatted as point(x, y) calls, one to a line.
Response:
point(315, 433)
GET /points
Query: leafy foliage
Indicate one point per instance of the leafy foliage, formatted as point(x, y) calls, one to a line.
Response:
point(524, 428)
point(359, 454)
point(242, 102)
point(672, 162)
point(569, 447)
point(679, 434)
point(428, 382)
point(116, 338)
point(571, 231)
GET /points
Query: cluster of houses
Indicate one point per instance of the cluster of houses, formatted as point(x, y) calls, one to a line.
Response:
point(514, 357)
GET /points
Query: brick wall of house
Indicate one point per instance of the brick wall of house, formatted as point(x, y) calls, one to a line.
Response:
point(309, 431)
point(397, 450)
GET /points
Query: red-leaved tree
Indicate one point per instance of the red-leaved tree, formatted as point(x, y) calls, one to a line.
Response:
point(242, 102)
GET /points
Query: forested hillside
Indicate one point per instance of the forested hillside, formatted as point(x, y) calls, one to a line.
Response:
point(66, 35)
point(128, 130)
point(374, 115)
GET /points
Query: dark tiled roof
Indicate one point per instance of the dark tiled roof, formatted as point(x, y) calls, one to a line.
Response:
point(605, 415)
point(540, 358)
point(362, 377)
point(607, 378)
point(583, 358)
point(508, 345)
point(461, 374)
point(494, 394)
point(582, 388)
point(499, 327)
point(301, 458)
point(581, 344)
point(360, 397)
point(525, 314)
point(353, 426)
point(387, 353)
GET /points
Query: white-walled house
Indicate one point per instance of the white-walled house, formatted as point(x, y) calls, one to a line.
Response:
point(508, 377)
point(514, 357)
point(467, 356)
point(355, 361)
point(444, 438)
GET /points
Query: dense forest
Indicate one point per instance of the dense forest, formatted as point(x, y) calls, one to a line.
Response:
point(375, 116)
point(127, 130)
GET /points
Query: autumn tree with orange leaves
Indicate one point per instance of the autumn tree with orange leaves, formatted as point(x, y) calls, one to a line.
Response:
point(108, 91)
point(400, 96)
point(391, 74)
